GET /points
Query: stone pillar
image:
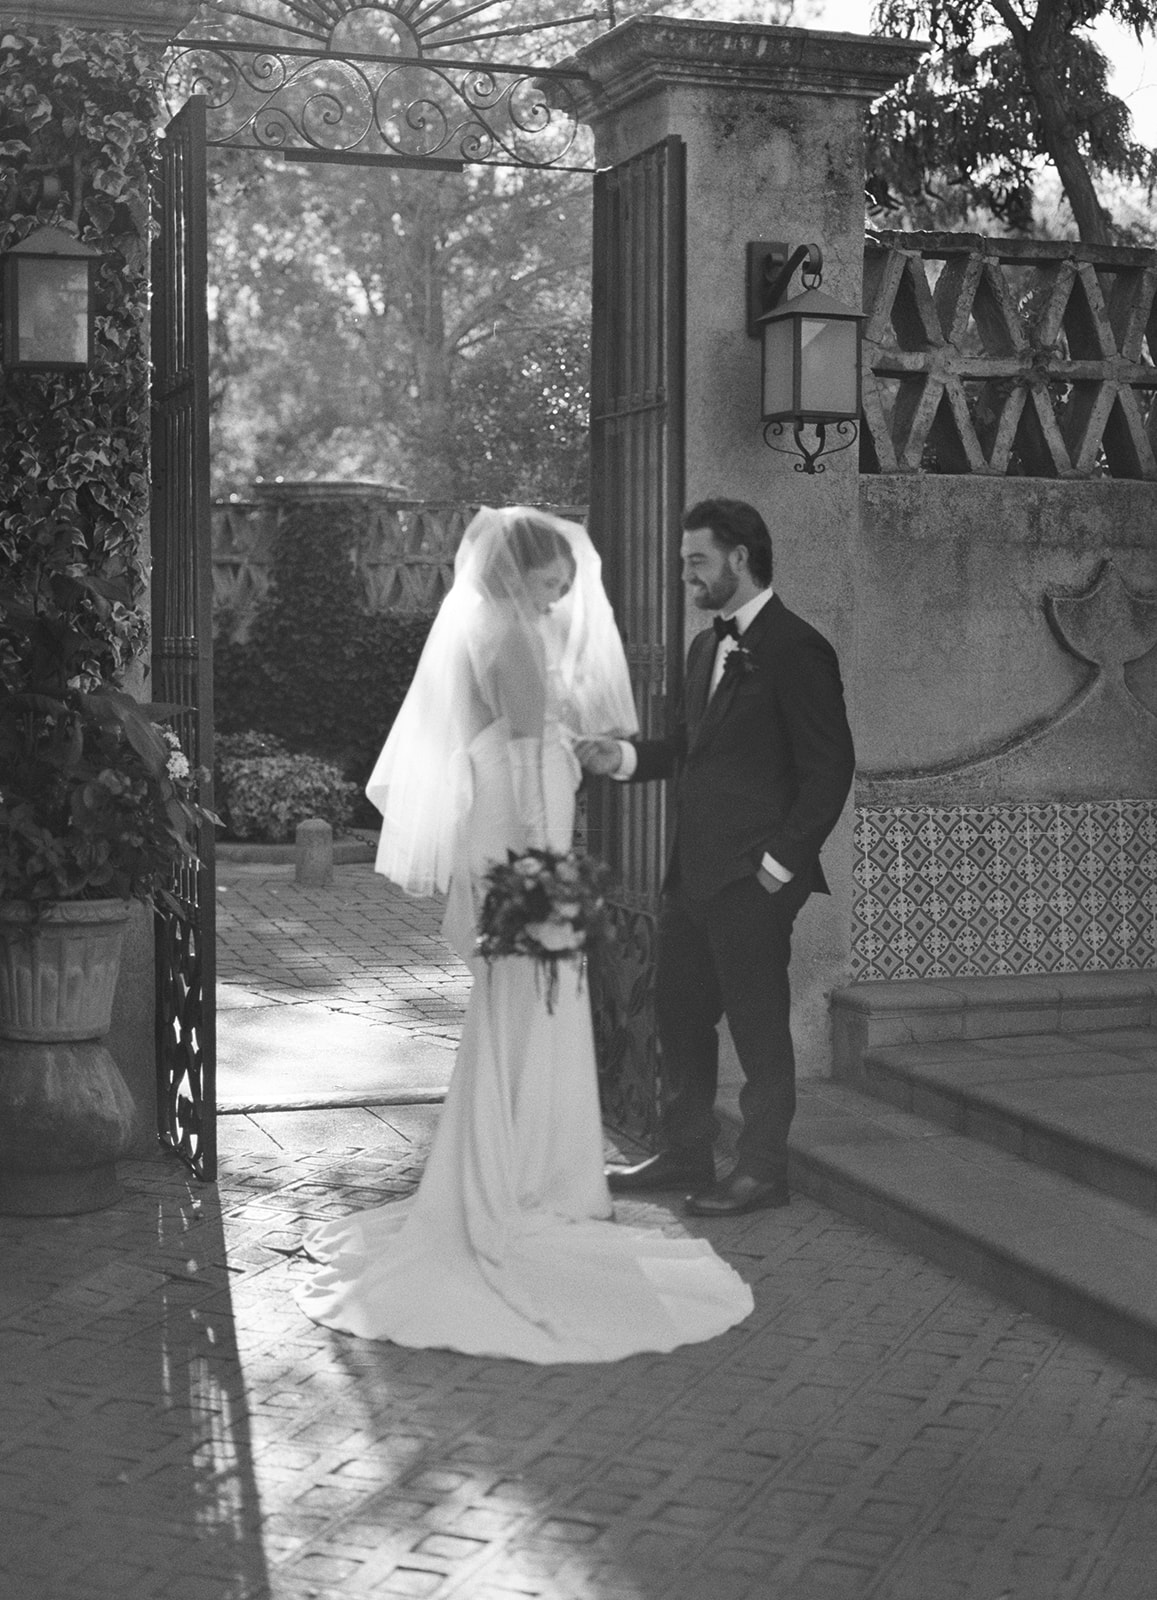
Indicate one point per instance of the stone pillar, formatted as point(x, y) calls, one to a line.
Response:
point(313, 853)
point(772, 120)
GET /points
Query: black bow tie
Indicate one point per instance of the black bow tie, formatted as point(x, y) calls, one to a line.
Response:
point(725, 628)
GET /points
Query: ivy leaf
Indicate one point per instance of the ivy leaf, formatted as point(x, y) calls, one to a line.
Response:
point(108, 182)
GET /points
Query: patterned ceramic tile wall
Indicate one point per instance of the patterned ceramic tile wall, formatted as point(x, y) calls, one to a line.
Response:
point(956, 891)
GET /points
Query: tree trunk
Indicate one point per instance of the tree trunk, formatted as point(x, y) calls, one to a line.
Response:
point(1060, 140)
point(426, 314)
point(1039, 48)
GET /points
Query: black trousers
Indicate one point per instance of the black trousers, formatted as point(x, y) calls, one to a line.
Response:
point(728, 956)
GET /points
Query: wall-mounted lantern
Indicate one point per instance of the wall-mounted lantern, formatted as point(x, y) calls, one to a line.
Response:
point(810, 375)
point(49, 289)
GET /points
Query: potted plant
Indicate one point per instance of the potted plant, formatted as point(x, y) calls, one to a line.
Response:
point(98, 808)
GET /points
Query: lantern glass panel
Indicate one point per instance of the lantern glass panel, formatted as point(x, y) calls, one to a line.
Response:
point(52, 317)
point(779, 367)
point(828, 367)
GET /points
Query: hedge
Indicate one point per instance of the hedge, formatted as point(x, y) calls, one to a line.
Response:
point(319, 671)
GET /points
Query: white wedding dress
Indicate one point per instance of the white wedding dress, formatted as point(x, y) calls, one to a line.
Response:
point(508, 1248)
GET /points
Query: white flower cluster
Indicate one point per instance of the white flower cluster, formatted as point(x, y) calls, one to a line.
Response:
point(177, 766)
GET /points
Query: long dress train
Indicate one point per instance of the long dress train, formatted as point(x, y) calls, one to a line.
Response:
point(506, 1248)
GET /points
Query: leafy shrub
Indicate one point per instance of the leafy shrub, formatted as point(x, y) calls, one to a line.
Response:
point(263, 798)
point(248, 744)
point(96, 799)
point(319, 671)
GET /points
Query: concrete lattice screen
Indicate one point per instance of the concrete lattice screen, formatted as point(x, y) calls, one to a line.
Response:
point(1009, 357)
point(403, 550)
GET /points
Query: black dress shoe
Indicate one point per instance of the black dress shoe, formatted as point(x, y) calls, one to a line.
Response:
point(737, 1194)
point(670, 1169)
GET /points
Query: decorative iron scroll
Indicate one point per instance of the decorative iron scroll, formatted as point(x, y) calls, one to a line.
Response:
point(186, 1086)
point(622, 1001)
point(846, 432)
point(396, 110)
point(417, 27)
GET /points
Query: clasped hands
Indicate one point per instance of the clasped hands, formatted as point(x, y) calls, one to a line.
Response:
point(602, 755)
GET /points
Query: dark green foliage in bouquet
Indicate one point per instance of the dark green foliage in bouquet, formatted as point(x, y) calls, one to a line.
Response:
point(545, 905)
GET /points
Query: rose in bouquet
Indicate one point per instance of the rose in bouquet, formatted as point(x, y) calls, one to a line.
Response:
point(545, 905)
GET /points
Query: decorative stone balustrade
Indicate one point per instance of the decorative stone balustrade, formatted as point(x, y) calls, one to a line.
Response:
point(403, 548)
point(1009, 357)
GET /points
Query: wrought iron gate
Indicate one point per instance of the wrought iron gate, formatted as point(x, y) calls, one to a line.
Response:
point(182, 628)
point(636, 501)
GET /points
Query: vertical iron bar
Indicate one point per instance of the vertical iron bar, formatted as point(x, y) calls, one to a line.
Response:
point(182, 630)
point(636, 499)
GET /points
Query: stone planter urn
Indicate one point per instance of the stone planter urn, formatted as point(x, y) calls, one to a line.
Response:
point(66, 1113)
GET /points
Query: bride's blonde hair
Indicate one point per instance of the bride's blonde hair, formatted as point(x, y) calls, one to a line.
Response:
point(531, 542)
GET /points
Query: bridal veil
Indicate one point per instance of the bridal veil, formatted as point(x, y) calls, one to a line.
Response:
point(421, 782)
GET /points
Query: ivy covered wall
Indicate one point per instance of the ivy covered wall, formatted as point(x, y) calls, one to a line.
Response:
point(78, 109)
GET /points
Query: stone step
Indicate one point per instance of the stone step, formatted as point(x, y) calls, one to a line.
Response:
point(1077, 1257)
point(1080, 1104)
point(869, 1016)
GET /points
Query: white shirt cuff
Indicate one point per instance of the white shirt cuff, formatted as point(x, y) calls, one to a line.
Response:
point(770, 864)
point(630, 760)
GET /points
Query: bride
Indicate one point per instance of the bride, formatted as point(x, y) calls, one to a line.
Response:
point(508, 1247)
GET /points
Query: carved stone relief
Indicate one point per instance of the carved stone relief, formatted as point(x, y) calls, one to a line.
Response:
point(1103, 738)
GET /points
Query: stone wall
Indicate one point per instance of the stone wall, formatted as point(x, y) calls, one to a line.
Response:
point(1006, 669)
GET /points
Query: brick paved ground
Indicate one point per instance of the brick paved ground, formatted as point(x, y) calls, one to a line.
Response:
point(361, 946)
point(171, 1427)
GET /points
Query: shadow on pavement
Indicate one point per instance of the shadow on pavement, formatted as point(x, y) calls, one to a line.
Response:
point(303, 1055)
point(125, 1462)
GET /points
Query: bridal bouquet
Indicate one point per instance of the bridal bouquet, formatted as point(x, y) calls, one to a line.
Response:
point(544, 905)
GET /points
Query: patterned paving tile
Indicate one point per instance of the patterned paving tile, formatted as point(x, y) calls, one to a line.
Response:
point(171, 1427)
point(876, 1429)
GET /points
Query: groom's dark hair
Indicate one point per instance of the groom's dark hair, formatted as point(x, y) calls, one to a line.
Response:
point(734, 523)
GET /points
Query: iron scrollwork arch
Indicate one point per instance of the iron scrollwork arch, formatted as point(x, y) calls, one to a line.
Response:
point(323, 102)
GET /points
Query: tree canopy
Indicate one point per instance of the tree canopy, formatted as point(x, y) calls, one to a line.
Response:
point(420, 327)
point(1007, 86)
point(355, 307)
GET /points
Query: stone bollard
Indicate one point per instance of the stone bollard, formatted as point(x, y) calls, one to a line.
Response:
point(314, 841)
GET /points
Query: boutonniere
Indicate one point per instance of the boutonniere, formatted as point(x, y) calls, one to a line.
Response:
point(738, 664)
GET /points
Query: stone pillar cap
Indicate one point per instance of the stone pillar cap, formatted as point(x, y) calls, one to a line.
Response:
point(157, 21)
point(648, 53)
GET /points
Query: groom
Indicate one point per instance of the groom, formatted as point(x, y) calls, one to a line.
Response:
point(763, 762)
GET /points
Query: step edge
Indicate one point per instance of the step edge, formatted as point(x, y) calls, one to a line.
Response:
point(1111, 985)
point(1128, 1332)
point(966, 1098)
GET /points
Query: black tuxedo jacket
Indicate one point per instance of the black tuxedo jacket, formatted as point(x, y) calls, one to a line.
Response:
point(764, 764)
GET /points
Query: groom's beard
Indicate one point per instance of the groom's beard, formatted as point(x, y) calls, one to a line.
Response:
point(714, 596)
